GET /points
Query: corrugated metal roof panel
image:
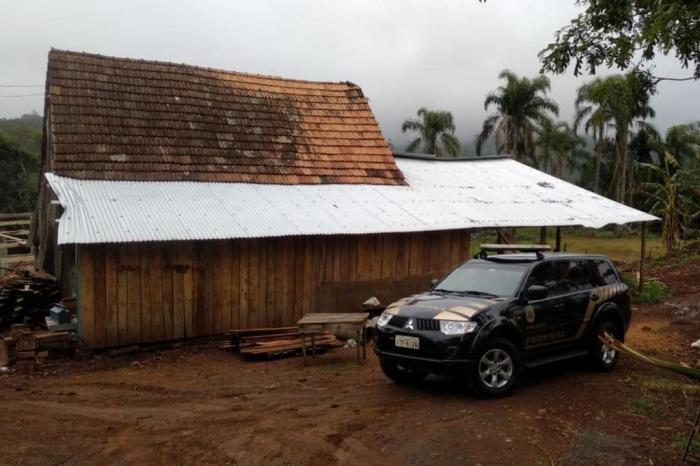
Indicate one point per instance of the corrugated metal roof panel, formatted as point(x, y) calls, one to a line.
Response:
point(470, 194)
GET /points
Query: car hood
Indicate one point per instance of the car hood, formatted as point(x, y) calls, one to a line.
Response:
point(442, 306)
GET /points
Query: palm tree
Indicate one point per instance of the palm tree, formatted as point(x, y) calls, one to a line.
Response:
point(520, 103)
point(591, 107)
point(436, 132)
point(555, 145)
point(626, 100)
point(683, 142)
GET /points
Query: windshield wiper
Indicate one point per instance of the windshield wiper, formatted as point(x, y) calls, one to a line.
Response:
point(480, 293)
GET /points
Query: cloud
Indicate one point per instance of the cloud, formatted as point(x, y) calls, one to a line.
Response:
point(443, 54)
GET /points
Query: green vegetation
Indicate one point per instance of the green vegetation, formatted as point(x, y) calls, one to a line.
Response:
point(655, 291)
point(643, 406)
point(436, 133)
point(520, 105)
point(621, 247)
point(20, 154)
point(627, 33)
point(555, 147)
point(680, 440)
point(665, 385)
point(19, 181)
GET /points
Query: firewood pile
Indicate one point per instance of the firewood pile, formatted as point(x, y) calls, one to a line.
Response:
point(279, 341)
point(26, 296)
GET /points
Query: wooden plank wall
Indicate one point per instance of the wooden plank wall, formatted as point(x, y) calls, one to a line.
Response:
point(141, 292)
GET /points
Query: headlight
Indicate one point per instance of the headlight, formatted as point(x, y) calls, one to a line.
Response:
point(384, 319)
point(457, 327)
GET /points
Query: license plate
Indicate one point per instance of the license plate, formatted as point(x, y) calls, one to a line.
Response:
point(407, 342)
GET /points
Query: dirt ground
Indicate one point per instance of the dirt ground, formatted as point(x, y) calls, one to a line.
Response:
point(199, 405)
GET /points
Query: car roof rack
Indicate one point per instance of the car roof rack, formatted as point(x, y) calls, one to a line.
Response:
point(503, 248)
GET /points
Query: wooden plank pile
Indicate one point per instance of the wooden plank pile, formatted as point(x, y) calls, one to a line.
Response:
point(26, 296)
point(278, 341)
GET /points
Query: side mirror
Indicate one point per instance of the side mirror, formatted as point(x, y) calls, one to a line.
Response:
point(433, 282)
point(536, 292)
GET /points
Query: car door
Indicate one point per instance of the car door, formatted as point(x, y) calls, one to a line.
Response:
point(542, 315)
point(556, 318)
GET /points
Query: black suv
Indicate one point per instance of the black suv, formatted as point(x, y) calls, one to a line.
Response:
point(494, 315)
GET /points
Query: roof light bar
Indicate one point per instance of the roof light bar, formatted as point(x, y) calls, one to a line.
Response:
point(501, 248)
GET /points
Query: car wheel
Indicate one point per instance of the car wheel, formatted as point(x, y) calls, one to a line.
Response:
point(402, 375)
point(497, 369)
point(602, 356)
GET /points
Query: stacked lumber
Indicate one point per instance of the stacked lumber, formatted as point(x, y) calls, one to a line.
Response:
point(26, 296)
point(278, 341)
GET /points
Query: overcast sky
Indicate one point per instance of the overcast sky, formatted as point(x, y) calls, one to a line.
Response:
point(404, 54)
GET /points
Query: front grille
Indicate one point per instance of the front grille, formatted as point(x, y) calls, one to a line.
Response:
point(398, 321)
point(427, 324)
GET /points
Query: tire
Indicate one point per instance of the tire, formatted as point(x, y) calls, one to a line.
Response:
point(402, 375)
point(497, 369)
point(602, 357)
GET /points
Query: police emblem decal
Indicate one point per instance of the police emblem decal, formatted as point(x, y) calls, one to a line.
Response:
point(530, 314)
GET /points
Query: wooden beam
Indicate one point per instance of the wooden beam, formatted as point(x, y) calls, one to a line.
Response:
point(22, 215)
point(557, 247)
point(19, 241)
point(543, 235)
point(641, 255)
point(7, 223)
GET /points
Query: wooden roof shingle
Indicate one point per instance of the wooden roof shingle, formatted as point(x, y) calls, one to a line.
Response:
point(137, 120)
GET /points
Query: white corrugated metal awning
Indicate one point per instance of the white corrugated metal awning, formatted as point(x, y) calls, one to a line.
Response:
point(440, 196)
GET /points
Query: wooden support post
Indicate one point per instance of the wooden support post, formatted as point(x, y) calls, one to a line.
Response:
point(543, 235)
point(642, 256)
point(557, 246)
point(498, 236)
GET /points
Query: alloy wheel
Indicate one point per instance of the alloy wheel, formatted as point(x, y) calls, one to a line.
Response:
point(495, 368)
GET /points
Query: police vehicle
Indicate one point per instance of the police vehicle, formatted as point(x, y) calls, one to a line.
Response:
point(497, 314)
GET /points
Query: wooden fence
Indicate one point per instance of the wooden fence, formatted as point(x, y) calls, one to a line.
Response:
point(14, 247)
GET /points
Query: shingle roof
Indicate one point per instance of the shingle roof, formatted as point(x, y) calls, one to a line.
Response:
point(124, 119)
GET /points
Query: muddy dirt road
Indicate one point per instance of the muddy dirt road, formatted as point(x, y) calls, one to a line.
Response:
point(204, 406)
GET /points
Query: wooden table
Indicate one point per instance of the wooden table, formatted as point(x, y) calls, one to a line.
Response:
point(308, 325)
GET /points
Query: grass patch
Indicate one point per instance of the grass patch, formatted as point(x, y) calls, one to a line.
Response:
point(665, 385)
point(681, 439)
point(643, 406)
point(620, 247)
point(655, 291)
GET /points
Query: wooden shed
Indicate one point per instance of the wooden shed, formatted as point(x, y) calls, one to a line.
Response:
point(181, 201)
point(122, 119)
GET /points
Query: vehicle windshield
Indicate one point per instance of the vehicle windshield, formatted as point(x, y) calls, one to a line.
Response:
point(487, 279)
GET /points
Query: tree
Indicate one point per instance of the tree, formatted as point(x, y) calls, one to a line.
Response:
point(555, 146)
point(619, 32)
point(621, 100)
point(683, 142)
point(590, 106)
point(20, 177)
point(436, 129)
point(672, 194)
point(520, 104)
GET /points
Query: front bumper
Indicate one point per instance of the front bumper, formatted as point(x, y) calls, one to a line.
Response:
point(437, 353)
point(428, 364)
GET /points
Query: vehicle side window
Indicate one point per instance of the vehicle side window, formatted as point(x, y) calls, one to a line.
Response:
point(606, 272)
point(579, 276)
point(572, 276)
point(543, 275)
